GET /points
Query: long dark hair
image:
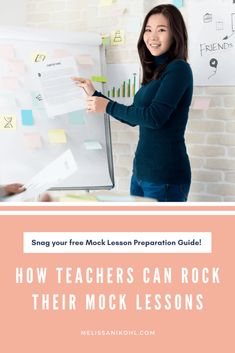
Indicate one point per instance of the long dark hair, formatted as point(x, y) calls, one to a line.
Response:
point(178, 49)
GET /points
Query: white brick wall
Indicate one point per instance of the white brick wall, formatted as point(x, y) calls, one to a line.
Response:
point(8, 17)
point(210, 134)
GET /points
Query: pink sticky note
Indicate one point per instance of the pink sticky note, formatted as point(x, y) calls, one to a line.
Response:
point(85, 60)
point(16, 66)
point(32, 141)
point(201, 103)
point(10, 83)
point(7, 51)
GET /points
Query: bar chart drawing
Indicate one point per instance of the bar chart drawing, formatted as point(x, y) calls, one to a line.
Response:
point(128, 89)
point(123, 82)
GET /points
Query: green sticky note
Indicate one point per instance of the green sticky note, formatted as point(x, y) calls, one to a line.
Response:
point(101, 79)
point(27, 117)
point(77, 117)
point(106, 40)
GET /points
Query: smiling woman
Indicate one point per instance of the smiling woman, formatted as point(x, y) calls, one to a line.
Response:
point(157, 36)
point(161, 168)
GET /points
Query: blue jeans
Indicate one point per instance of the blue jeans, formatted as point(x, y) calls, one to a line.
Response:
point(160, 192)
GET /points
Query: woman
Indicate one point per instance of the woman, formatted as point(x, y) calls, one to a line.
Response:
point(161, 167)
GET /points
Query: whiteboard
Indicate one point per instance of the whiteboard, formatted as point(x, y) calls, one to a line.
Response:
point(27, 147)
point(211, 25)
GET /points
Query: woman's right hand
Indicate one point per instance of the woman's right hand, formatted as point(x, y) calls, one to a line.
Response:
point(85, 84)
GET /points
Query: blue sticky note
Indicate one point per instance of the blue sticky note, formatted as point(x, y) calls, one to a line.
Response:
point(178, 3)
point(77, 117)
point(27, 117)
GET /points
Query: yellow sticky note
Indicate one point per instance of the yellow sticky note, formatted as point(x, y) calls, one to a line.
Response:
point(57, 136)
point(117, 37)
point(101, 79)
point(38, 56)
point(106, 2)
point(7, 122)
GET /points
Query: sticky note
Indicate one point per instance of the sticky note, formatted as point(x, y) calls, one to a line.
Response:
point(37, 100)
point(38, 57)
point(105, 39)
point(57, 136)
point(201, 103)
point(77, 198)
point(117, 37)
point(77, 117)
point(27, 117)
point(16, 66)
point(101, 79)
point(32, 141)
point(85, 60)
point(118, 11)
point(10, 83)
point(7, 122)
point(92, 145)
point(178, 3)
point(106, 2)
point(7, 51)
point(60, 53)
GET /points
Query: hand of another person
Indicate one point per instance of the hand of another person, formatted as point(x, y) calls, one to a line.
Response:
point(85, 84)
point(46, 198)
point(97, 104)
point(15, 188)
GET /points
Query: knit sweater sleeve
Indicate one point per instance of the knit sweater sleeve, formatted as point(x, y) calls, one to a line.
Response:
point(99, 94)
point(174, 81)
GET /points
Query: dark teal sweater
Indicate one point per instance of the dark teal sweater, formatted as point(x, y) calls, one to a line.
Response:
point(160, 108)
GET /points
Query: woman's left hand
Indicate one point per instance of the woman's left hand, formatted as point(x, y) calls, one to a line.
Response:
point(96, 104)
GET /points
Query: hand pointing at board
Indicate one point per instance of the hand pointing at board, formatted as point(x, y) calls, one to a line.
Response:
point(94, 103)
